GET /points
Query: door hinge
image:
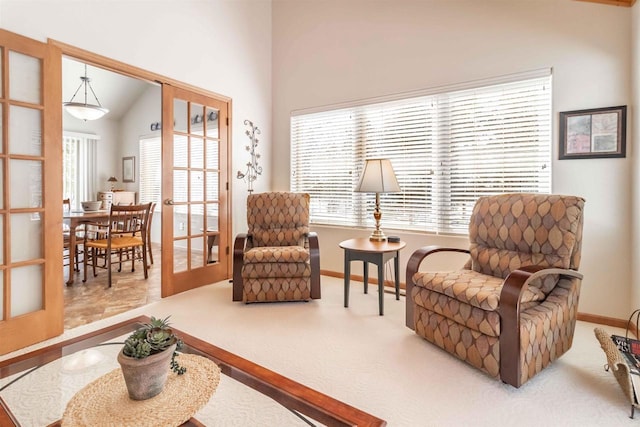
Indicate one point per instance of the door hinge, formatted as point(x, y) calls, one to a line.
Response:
point(227, 121)
point(226, 250)
point(227, 185)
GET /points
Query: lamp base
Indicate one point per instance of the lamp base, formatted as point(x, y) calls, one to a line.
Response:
point(377, 236)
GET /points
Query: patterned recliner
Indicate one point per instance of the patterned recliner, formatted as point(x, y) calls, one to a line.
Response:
point(278, 259)
point(512, 309)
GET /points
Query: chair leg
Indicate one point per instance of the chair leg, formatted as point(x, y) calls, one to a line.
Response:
point(145, 266)
point(148, 252)
point(93, 260)
point(84, 264)
point(132, 257)
point(77, 265)
point(108, 255)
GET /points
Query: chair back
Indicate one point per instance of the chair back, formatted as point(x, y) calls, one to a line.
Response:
point(129, 220)
point(150, 218)
point(509, 231)
point(278, 218)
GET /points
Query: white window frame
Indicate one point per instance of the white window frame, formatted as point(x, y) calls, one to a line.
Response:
point(448, 146)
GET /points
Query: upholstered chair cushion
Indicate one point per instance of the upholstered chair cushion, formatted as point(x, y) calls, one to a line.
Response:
point(278, 219)
point(284, 254)
point(511, 231)
point(470, 287)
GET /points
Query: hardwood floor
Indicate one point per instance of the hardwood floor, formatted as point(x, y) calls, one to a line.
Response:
point(94, 300)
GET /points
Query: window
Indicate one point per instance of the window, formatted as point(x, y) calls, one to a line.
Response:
point(150, 170)
point(79, 179)
point(447, 149)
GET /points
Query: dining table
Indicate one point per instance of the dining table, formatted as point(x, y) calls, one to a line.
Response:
point(74, 219)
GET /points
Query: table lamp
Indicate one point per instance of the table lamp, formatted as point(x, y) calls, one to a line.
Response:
point(113, 181)
point(377, 177)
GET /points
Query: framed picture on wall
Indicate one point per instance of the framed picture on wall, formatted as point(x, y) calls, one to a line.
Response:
point(595, 133)
point(129, 169)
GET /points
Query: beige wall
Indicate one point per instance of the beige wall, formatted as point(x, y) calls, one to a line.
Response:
point(326, 52)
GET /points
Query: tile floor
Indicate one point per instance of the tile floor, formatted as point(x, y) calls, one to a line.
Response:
point(94, 300)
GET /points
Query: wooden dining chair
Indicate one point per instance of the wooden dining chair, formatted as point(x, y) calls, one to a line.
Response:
point(123, 234)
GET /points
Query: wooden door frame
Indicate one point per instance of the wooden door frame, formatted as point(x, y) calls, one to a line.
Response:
point(193, 276)
point(35, 326)
point(139, 73)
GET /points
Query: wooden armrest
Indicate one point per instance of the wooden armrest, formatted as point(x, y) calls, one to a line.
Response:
point(238, 256)
point(314, 253)
point(513, 287)
point(412, 268)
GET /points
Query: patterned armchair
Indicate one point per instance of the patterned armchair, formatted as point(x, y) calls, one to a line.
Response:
point(511, 310)
point(278, 259)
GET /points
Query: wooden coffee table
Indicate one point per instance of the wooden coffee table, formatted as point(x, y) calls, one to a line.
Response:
point(379, 253)
point(305, 403)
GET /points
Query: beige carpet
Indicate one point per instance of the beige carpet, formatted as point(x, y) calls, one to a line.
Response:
point(377, 364)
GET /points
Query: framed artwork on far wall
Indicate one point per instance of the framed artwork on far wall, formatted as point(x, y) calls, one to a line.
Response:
point(593, 134)
point(129, 169)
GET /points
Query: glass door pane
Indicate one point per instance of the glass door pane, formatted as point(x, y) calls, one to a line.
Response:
point(196, 185)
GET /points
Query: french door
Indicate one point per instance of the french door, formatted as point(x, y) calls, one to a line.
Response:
point(30, 192)
point(195, 190)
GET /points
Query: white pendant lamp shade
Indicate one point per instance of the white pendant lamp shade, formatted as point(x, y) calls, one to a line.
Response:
point(84, 110)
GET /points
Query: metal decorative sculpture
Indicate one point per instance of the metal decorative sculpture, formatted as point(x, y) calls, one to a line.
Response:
point(253, 169)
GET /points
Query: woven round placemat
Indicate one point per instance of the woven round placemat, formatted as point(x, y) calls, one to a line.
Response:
point(105, 401)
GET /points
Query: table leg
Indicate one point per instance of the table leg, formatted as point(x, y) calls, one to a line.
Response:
point(347, 277)
point(396, 266)
point(365, 273)
point(72, 251)
point(381, 285)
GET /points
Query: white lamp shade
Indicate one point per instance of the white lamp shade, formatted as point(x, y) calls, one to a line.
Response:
point(377, 177)
point(85, 111)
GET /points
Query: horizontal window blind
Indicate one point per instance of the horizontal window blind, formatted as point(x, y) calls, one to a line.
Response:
point(447, 149)
point(79, 177)
point(150, 170)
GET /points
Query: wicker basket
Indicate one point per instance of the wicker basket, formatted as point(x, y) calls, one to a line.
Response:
point(617, 365)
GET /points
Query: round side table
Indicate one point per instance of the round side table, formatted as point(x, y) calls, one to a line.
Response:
point(363, 249)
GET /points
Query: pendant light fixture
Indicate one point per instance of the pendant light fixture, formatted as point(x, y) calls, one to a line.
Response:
point(85, 111)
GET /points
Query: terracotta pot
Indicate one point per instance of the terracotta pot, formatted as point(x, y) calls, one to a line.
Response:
point(146, 377)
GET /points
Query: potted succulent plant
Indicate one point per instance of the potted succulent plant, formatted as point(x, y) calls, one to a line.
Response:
point(146, 357)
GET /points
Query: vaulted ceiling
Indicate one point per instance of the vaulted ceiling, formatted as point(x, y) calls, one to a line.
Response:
point(115, 91)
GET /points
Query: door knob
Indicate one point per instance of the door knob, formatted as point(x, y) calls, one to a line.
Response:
point(168, 202)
